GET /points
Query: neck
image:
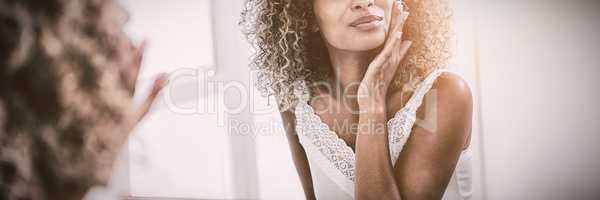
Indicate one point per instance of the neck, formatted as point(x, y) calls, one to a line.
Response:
point(349, 68)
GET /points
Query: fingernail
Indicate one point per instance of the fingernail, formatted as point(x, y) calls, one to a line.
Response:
point(399, 34)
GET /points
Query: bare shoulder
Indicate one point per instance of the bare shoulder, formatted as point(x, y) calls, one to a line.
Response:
point(452, 101)
point(449, 90)
point(452, 90)
point(441, 132)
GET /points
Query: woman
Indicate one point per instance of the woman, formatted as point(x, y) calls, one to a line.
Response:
point(67, 73)
point(351, 77)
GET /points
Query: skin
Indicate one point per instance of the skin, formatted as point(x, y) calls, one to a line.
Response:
point(364, 63)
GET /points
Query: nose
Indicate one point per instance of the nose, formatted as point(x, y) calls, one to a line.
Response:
point(361, 4)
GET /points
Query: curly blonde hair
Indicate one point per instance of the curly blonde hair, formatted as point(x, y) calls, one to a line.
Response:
point(288, 50)
point(62, 99)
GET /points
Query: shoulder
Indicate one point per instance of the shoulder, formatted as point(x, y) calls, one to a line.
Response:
point(450, 103)
point(446, 109)
point(439, 135)
point(448, 90)
point(452, 90)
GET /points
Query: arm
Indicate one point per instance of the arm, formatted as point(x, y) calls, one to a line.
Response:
point(298, 154)
point(429, 157)
point(431, 153)
point(374, 172)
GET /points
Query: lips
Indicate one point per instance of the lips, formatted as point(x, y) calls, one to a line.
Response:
point(368, 19)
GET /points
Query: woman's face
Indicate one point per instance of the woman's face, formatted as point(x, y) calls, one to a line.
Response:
point(353, 25)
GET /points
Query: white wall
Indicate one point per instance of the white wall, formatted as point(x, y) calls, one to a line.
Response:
point(463, 62)
point(539, 76)
point(184, 148)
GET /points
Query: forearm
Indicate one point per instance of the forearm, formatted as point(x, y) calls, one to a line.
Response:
point(374, 171)
point(298, 155)
point(302, 167)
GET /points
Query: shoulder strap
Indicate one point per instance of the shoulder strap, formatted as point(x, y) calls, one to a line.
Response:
point(417, 98)
point(400, 125)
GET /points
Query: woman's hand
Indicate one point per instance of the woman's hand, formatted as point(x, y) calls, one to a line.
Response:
point(374, 86)
point(130, 75)
point(374, 171)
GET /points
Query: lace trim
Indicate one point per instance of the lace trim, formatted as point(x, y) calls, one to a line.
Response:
point(320, 166)
point(417, 99)
point(313, 130)
point(326, 141)
point(400, 126)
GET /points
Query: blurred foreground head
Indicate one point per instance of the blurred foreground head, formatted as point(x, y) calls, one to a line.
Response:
point(63, 105)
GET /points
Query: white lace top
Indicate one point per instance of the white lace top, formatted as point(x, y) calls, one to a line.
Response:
point(332, 161)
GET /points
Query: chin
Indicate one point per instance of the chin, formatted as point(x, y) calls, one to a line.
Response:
point(366, 42)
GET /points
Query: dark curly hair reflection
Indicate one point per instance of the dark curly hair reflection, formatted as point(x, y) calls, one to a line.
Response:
point(62, 101)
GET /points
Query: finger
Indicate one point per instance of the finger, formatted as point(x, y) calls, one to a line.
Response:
point(398, 53)
point(401, 51)
point(402, 18)
point(404, 47)
point(385, 54)
point(159, 84)
point(394, 16)
point(139, 53)
point(399, 17)
point(134, 69)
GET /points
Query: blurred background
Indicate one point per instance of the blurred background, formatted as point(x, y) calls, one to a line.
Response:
point(532, 66)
